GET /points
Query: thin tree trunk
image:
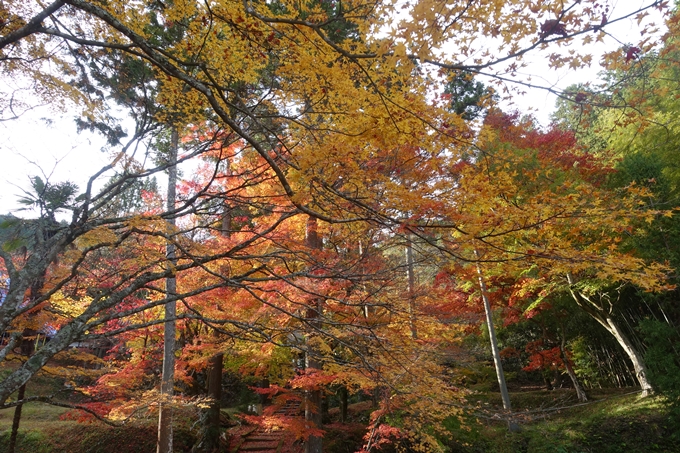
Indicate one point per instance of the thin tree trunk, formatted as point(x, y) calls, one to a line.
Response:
point(580, 393)
point(27, 348)
point(313, 409)
point(343, 404)
point(313, 398)
point(16, 420)
point(211, 437)
point(605, 319)
point(367, 311)
point(633, 355)
point(411, 289)
point(494, 347)
point(164, 444)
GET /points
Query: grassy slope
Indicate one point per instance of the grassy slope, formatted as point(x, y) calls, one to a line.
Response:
point(614, 423)
point(42, 431)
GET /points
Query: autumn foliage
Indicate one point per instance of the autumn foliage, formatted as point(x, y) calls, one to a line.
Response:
point(318, 148)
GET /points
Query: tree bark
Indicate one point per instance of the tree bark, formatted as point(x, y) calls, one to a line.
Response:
point(16, 420)
point(211, 435)
point(164, 444)
point(28, 346)
point(634, 356)
point(313, 415)
point(343, 404)
point(604, 317)
point(411, 289)
point(313, 398)
point(580, 393)
point(512, 426)
point(505, 395)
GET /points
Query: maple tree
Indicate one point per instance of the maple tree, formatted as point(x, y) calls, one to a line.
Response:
point(636, 123)
point(549, 341)
point(569, 237)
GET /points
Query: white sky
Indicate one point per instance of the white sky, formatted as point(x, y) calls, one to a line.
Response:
point(31, 146)
point(542, 103)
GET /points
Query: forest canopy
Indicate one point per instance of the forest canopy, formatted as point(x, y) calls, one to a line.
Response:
point(357, 200)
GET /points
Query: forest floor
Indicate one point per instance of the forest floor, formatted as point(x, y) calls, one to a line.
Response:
point(551, 422)
point(613, 421)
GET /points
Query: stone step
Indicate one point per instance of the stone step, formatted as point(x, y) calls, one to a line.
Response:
point(288, 410)
point(262, 443)
point(258, 446)
point(263, 439)
point(265, 450)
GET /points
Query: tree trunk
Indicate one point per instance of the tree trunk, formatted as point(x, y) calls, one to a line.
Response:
point(313, 398)
point(602, 316)
point(633, 354)
point(580, 393)
point(513, 427)
point(28, 346)
point(313, 415)
point(325, 407)
point(16, 420)
point(411, 289)
point(164, 444)
point(211, 434)
point(209, 438)
point(343, 404)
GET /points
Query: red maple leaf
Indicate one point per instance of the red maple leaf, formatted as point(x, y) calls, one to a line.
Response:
point(632, 53)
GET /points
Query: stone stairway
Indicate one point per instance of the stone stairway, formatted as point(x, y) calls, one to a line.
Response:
point(290, 409)
point(261, 441)
point(257, 439)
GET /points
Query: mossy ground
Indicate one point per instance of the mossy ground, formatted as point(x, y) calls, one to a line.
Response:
point(614, 422)
point(552, 423)
point(42, 430)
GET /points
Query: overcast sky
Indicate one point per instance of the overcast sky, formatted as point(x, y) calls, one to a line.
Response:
point(32, 145)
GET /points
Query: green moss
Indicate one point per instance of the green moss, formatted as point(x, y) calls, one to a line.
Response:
point(27, 442)
point(620, 423)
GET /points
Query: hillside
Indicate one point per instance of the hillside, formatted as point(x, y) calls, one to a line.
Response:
point(615, 421)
